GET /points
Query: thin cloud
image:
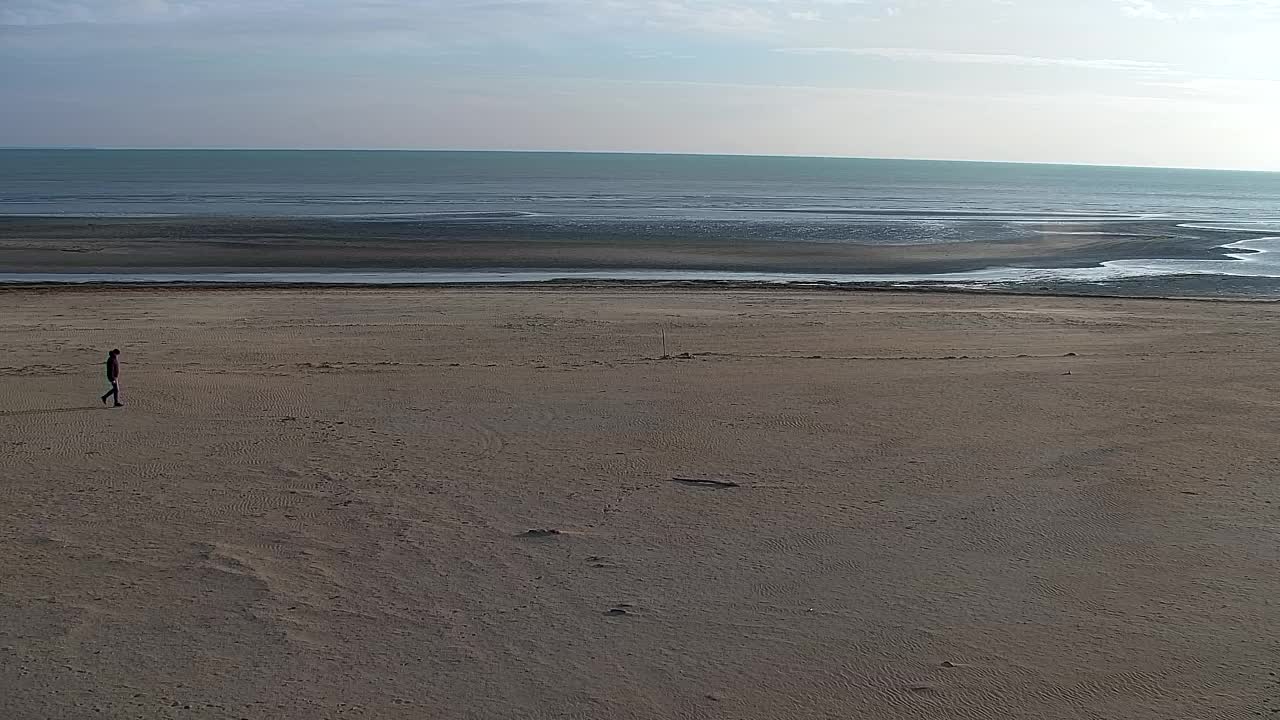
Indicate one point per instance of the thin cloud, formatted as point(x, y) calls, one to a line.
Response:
point(1145, 9)
point(43, 13)
point(1238, 90)
point(704, 15)
point(376, 26)
point(964, 58)
point(1190, 10)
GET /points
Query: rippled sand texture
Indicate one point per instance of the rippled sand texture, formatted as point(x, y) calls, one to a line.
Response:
point(319, 504)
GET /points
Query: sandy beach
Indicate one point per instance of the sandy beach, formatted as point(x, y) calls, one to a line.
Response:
point(464, 503)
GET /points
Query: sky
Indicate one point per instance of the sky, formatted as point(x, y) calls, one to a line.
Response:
point(1183, 83)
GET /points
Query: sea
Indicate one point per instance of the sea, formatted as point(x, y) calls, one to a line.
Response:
point(636, 198)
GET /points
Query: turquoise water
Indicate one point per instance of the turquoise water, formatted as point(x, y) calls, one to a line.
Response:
point(631, 198)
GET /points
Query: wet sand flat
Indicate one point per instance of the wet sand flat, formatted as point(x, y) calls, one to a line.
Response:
point(230, 244)
point(319, 503)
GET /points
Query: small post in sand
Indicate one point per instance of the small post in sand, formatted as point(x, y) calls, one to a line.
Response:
point(665, 355)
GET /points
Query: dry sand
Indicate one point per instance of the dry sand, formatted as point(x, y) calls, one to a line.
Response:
point(315, 506)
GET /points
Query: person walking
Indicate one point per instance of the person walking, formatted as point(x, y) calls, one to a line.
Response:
point(113, 377)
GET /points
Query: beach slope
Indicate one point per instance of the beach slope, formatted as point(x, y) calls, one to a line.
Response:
point(494, 504)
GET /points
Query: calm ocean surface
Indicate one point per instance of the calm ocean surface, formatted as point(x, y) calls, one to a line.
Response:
point(638, 197)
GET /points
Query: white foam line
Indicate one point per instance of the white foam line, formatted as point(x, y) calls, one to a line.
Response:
point(1261, 226)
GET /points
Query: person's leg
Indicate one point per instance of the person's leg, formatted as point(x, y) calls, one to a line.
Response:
point(115, 390)
point(108, 393)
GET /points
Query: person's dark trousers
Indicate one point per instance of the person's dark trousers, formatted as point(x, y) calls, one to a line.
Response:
point(113, 392)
